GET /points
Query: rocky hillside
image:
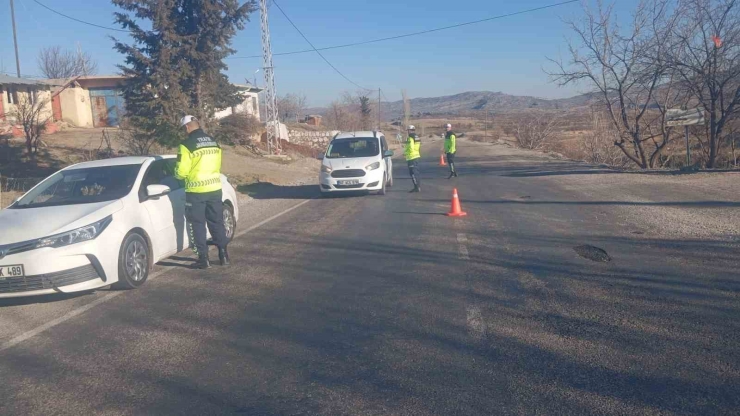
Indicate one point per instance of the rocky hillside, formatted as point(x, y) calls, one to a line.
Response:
point(476, 102)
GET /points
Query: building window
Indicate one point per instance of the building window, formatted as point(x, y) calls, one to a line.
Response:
point(12, 95)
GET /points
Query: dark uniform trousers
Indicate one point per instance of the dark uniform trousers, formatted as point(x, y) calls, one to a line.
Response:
point(201, 209)
point(414, 171)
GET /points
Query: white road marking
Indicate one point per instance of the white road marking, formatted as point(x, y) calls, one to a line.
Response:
point(82, 309)
point(476, 326)
point(462, 247)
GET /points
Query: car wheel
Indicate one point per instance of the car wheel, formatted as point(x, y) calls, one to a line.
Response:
point(133, 262)
point(385, 182)
point(229, 222)
point(390, 180)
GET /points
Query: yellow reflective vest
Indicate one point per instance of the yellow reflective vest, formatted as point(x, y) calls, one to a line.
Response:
point(199, 163)
point(450, 142)
point(412, 150)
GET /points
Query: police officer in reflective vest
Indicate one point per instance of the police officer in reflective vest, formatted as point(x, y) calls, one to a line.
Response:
point(413, 154)
point(199, 165)
point(450, 150)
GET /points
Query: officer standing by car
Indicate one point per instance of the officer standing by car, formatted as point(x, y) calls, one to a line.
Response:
point(199, 165)
point(413, 154)
point(450, 149)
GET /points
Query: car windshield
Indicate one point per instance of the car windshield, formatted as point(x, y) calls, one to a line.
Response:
point(354, 147)
point(81, 186)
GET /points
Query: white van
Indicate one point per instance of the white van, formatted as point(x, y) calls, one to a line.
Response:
point(357, 161)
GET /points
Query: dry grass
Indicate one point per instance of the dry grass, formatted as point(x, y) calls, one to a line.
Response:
point(78, 145)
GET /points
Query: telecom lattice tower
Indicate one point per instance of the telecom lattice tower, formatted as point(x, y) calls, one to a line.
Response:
point(272, 119)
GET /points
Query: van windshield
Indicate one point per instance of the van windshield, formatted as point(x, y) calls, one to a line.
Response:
point(353, 147)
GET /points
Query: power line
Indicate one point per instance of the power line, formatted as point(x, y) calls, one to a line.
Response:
point(316, 50)
point(423, 32)
point(78, 20)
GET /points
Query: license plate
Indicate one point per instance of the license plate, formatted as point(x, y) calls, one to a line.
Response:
point(11, 271)
point(352, 182)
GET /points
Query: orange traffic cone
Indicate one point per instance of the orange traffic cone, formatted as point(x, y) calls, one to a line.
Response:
point(456, 209)
point(442, 160)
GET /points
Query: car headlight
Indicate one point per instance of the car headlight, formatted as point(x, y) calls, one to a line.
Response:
point(373, 166)
point(326, 169)
point(86, 233)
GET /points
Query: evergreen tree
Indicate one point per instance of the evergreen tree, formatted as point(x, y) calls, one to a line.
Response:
point(365, 111)
point(175, 68)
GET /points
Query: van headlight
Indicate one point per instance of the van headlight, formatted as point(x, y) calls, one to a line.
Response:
point(326, 169)
point(373, 166)
point(86, 233)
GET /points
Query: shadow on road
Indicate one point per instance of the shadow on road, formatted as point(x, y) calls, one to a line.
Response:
point(33, 300)
point(526, 201)
point(266, 190)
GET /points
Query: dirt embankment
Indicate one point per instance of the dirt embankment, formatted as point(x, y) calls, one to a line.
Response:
point(243, 167)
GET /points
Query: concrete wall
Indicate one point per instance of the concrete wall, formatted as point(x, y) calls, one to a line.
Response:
point(76, 108)
point(8, 123)
point(314, 139)
point(24, 94)
point(247, 106)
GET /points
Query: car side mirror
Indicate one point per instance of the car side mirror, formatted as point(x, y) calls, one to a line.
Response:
point(155, 191)
point(388, 153)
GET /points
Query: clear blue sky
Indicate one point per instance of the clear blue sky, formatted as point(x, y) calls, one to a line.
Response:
point(503, 55)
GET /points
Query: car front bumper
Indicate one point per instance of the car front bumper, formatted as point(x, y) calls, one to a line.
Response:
point(78, 267)
point(372, 181)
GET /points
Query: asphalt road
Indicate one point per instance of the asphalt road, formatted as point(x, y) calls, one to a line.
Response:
point(381, 305)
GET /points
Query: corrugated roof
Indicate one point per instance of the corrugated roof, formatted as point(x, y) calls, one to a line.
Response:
point(8, 80)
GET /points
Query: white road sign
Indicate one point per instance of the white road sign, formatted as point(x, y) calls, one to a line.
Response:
point(677, 117)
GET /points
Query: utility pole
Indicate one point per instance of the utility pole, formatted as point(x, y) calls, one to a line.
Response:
point(15, 40)
point(378, 109)
point(272, 119)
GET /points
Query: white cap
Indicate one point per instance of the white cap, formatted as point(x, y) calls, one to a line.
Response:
point(185, 120)
point(449, 126)
point(411, 127)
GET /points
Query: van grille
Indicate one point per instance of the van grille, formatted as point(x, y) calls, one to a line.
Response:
point(348, 173)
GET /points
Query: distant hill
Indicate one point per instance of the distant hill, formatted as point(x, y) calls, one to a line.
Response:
point(475, 102)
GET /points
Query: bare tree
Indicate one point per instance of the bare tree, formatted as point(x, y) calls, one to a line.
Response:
point(535, 130)
point(292, 106)
point(336, 117)
point(86, 65)
point(301, 104)
point(707, 58)
point(406, 109)
point(32, 113)
point(55, 62)
point(627, 70)
point(598, 145)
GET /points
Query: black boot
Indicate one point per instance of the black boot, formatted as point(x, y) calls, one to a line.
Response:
point(455, 173)
point(451, 175)
point(223, 256)
point(203, 262)
point(416, 189)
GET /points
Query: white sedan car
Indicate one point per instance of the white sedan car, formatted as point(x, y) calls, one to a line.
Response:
point(95, 224)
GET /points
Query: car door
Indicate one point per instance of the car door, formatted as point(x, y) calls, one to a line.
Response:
point(165, 212)
point(388, 160)
point(178, 195)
